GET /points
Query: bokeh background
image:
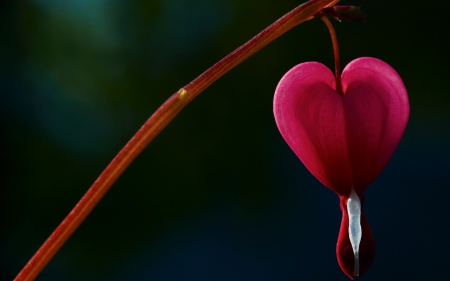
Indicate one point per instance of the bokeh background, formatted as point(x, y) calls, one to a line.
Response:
point(218, 195)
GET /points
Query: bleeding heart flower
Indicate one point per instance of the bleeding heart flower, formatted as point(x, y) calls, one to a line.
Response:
point(344, 140)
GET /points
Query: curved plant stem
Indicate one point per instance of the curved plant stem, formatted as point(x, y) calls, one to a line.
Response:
point(153, 127)
point(337, 60)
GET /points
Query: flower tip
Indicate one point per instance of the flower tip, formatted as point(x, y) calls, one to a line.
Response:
point(344, 249)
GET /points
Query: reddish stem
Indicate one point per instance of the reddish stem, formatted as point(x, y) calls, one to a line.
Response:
point(337, 60)
point(153, 127)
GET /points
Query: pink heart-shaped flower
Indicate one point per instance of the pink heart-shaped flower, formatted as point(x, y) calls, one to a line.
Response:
point(344, 140)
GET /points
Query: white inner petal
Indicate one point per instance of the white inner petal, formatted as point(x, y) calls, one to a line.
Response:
point(354, 226)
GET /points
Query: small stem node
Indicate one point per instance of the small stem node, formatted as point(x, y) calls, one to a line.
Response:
point(182, 94)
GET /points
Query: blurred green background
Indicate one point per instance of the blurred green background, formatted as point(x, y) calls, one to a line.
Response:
point(218, 195)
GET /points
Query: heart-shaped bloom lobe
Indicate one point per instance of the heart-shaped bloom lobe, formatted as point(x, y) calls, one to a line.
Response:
point(343, 140)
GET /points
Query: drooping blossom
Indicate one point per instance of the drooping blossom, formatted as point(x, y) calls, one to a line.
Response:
point(344, 140)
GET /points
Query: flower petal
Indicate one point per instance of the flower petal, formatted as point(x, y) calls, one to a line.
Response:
point(376, 112)
point(311, 117)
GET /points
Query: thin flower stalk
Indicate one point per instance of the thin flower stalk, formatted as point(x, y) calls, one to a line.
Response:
point(154, 125)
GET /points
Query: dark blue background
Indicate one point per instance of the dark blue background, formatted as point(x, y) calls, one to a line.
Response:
point(218, 195)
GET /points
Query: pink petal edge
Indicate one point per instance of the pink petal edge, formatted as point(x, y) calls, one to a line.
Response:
point(377, 111)
point(310, 116)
